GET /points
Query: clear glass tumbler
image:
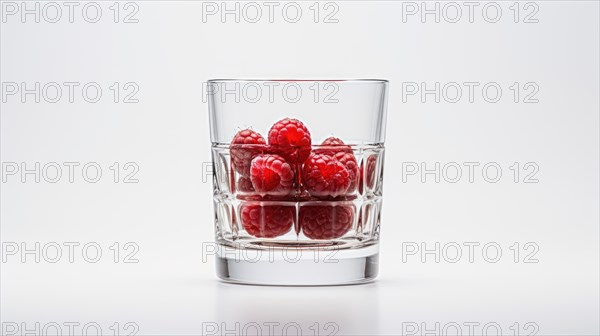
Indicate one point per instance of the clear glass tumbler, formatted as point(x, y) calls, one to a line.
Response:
point(297, 179)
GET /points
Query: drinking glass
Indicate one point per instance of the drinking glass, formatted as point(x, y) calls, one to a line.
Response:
point(292, 208)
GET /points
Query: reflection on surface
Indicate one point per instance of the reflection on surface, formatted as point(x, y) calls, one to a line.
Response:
point(251, 310)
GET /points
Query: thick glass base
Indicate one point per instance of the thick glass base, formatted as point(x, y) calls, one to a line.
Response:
point(297, 266)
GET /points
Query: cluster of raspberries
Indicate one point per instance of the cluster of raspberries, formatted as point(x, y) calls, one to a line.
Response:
point(287, 168)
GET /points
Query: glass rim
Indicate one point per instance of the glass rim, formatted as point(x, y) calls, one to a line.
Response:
point(357, 80)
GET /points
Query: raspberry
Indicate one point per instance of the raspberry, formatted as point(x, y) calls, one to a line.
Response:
point(323, 175)
point(290, 139)
point(246, 144)
point(333, 145)
point(244, 184)
point(349, 161)
point(326, 221)
point(271, 174)
point(333, 141)
point(369, 171)
point(266, 221)
point(337, 148)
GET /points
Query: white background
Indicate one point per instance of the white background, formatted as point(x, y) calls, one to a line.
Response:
point(170, 52)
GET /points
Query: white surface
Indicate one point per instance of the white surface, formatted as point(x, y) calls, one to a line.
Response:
point(170, 52)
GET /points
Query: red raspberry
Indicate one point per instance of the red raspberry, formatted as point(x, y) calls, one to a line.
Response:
point(349, 161)
point(326, 221)
point(266, 221)
point(271, 174)
point(337, 148)
point(246, 144)
point(323, 175)
point(333, 145)
point(244, 184)
point(369, 171)
point(333, 141)
point(290, 139)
